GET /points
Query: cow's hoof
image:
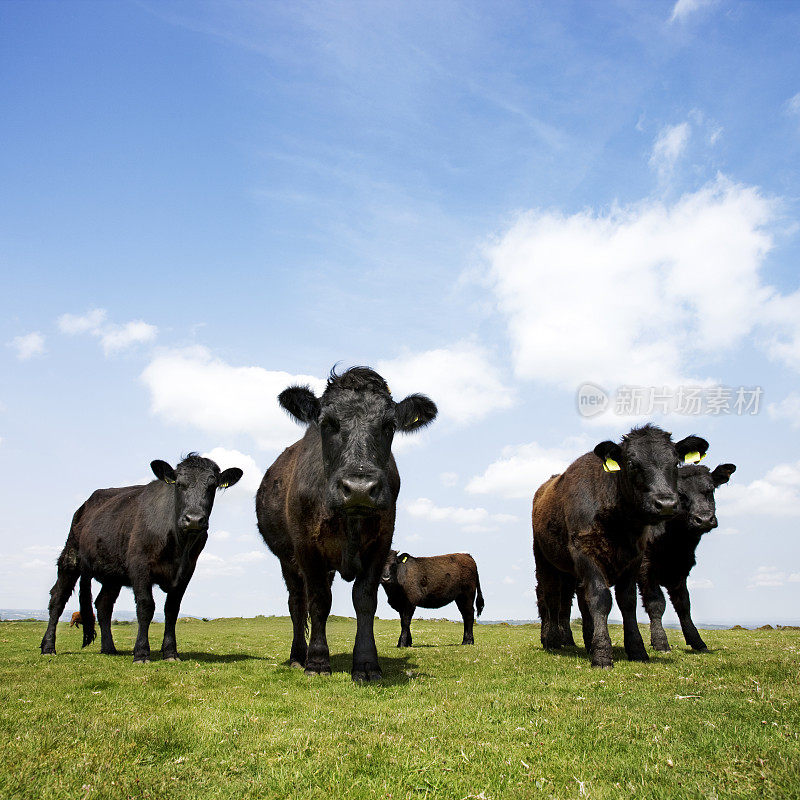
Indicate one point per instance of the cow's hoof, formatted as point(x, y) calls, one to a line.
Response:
point(362, 676)
point(110, 651)
point(295, 664)
point(468, 641)
point(609, 665)
point(48, 649)
point(662, 647)
point(699, 648)
point(322, 671)
point(171, 658)
point(638, 656)
point(141, 660)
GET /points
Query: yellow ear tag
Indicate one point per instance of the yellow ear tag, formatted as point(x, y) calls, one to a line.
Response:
point(404, 559)
point(609, 465)
point(693, 458)
point(167, 480)
point(416, 419)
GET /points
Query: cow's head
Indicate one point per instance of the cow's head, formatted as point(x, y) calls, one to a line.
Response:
point(393, 562)
point(357, 419)
point(194, 481)
point(646, 465)
point(696, 486)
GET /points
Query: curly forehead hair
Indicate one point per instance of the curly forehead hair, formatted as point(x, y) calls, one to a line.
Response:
point(646, 431)
point(194, 460)
point(357, 379)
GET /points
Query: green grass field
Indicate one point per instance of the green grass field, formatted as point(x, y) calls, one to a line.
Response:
point(502, 719)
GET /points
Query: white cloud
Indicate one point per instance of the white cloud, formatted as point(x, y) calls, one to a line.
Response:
point(727, 531)
point(794, 577)
point(470, 519)
point(777, 494)
point(668, 147)
point(86, 323)
point(635, 294)
point(449, 478)
point(788, 409)
point(462, 380)
point(767, 577)
point(191, 387)
point(684, 8)
point(28, 346)
point(700, 583)
point(225, 458)
point(508, 580)
point(793, 104)
point(521, 469)
point(212, 565)
point(113, 337)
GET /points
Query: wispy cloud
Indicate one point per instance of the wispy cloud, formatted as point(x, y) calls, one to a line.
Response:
point(669, 146)
point(771, 577)
point(683, 9)
point(28, 346)
point(470, 519)
point(113, 338)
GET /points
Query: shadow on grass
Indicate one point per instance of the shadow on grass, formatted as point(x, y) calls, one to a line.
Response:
point(395, 669)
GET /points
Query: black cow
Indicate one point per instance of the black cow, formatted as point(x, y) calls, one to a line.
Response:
point(670, 554)
point(589, 529)
point(138, 536)
point(328, 504)
point(432, 582)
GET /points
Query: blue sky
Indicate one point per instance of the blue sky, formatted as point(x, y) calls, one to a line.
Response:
point(200, 202)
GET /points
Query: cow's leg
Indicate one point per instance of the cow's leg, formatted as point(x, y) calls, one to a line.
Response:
point(654, 605)
point(548, 597)
point(565, 609)
point(172, 606)
point(465, 606)
point(365, 602)
point(105, 608)
point(587, 626)
point(597, 598)
point(145, 608)
point(298, 609)
point(87, 612)
point(406, 612)
point(59, 594)
point(625, 592)
point(679, 594)
point(318, 586)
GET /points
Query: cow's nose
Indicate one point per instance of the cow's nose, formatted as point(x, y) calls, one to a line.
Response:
point(359, 491)
point(699, 521)
point(666, 504)
point(192, 521)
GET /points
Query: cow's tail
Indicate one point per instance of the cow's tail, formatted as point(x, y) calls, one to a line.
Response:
point(87, 612)
point(479, 596)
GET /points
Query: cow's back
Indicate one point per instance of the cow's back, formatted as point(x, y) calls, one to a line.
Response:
point(434, 581)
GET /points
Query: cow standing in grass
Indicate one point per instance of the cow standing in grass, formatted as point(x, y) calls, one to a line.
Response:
point(138, 536)
point(432, 582)
point(589, 530)
point(328, 503)
point(670, 554)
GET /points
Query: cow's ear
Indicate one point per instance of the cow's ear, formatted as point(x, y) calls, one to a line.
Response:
point(415, 412)
point(403, 557)
point(610, 453)
point(722, 473)
point(692, 449)
point(163, 471)
point(301, 403)
point(229, 477)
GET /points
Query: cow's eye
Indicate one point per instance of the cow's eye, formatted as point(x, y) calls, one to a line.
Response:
point(330, 425)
